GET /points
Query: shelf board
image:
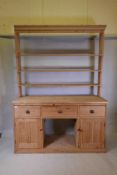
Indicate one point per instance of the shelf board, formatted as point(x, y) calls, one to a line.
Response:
point(58, 53)
point(56, 84)
point(59, 28)
point(57, 69)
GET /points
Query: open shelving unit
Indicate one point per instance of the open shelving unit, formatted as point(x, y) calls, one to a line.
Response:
point(97, 30)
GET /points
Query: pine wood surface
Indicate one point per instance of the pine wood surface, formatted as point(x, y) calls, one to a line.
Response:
point(65, 29)
point(58, 52)
point(89, 129)
point(59, 111)
point(57, 69)
point(65, 99)
point(92, 110)
point(27, 111)
point(61, 84)
point(61, 144)
point(27, 133)
point(59, 28)
point(30, 112)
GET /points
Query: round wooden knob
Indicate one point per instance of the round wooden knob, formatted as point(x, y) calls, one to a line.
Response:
point(92, 111)
point(27, 112)
point(79, 130)
point(60, 111)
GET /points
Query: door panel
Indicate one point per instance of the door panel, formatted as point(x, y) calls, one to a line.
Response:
point(28, 133)
point(91, 133)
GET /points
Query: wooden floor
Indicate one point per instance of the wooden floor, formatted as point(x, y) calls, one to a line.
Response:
point(64, 143)
point(60, 164)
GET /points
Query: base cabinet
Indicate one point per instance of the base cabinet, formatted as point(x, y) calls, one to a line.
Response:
point(91, 133)
point(28, 133)
point(83, 121)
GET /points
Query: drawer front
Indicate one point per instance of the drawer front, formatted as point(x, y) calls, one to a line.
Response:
point(92, 110)
point(59, 111)
point(27, 111)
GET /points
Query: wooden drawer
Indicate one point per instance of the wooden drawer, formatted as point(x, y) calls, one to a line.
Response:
point(59, 111)
point(92, 110)
point(27, 111)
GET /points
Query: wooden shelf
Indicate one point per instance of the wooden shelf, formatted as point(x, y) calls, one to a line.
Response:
point(55, 84)
point(58, 53)
point(59, 28)
point(57, 69)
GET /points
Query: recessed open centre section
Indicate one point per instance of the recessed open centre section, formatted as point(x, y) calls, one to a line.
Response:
point(61, 135)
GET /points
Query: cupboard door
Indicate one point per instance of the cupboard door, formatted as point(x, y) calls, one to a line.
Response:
point(91, 133)
point(28, 133)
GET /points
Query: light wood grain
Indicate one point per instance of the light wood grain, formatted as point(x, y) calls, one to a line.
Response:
point(58, 52)
point(28, 134)
point(92, 110)
point(61, 144)
point(62, 99)
point(18, 62)
point(59, 111)
point(91, 133)
point(56, 84)
point(66, 29)
point(57, 69)
point(89, 129)
point(89, 112)
point(27, 111)
point(100, 63)
point(59, 28)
